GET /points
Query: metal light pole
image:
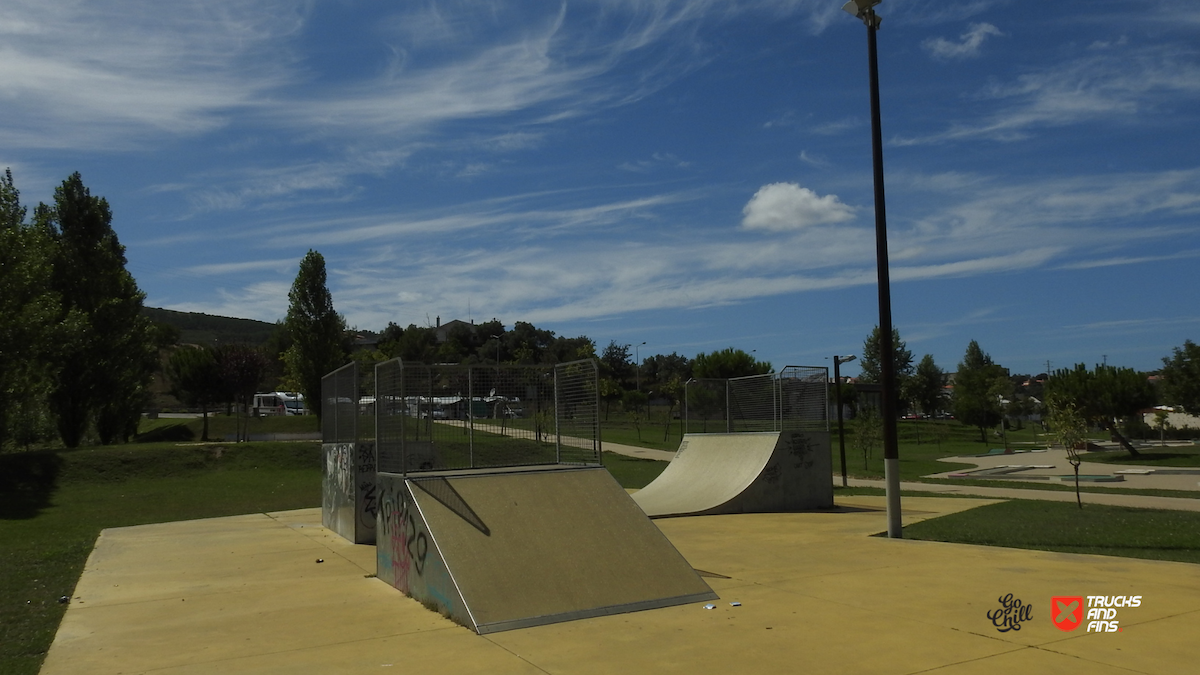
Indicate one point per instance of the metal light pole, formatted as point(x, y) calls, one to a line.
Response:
point(865, 10)
point(837, 379)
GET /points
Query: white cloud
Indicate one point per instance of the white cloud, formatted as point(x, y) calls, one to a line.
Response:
point(112, 74)
point(968, 45)
point(779, 207)
point(221, 269)
point(1095, 87)
point(818, 161)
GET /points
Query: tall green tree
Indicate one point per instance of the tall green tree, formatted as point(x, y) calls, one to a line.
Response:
point(316, 330)
point(871, 363)
point(196, 380)
point(979, 385)
point(1103, 396)
point(924, 388)
point(1181, 377)
point(107, 352)
point(615, 361)
point(727, 363)
point(28, 311)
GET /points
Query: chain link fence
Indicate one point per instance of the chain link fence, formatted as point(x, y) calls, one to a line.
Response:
point(795, 398)
point(442, 417)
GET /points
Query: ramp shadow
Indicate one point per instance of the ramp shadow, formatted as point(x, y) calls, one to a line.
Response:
point(445, 494)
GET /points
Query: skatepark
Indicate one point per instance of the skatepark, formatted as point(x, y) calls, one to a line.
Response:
point(553, 568)
point(817, 593)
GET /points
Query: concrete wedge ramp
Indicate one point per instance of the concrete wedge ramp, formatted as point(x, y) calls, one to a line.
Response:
point(752, 472)
point(496, 550)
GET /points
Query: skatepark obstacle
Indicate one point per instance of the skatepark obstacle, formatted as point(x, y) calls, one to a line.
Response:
point(748, 472)
point(499, 549)
point(770, 452)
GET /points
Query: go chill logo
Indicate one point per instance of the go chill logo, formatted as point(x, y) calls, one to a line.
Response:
point(1067, 614)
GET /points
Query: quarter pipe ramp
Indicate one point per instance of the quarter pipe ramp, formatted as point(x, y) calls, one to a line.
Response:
point(755, 472)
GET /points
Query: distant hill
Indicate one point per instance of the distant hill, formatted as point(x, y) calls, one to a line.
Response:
point(206, 329)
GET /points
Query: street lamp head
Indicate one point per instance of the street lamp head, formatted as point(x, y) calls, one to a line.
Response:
point(865, 10)
point(850, 358)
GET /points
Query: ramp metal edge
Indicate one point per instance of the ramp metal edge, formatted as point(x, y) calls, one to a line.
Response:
point(433, 538)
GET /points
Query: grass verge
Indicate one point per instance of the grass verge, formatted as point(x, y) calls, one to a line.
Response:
point(632, 472)
point(1064, 527)
point(56, 503)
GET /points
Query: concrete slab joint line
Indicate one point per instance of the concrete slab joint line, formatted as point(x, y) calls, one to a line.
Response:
point(747, 472)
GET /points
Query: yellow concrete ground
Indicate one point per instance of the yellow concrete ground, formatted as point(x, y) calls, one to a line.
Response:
point(818, 594)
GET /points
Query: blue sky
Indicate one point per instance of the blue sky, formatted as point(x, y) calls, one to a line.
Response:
point(692, 175)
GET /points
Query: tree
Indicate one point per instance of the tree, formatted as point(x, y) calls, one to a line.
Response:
point(616, 362)
point(634, 403)
point(241, 369)
point(1103, 396)
point(107, 352)
point(195, 379)
point(672, 391)
point(871, 363)
point(1069, 428)
point(728, 363)
point(868, 434)
point(979, 385)
point(1181, 377)
point(659, 370)
point(316, 330)
point(609, 391)
point(414, 344)
point(28, 311)
point(925, 386)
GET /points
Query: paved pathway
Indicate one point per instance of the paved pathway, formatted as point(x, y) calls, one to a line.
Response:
point(1053, 463)
point(1138, 501)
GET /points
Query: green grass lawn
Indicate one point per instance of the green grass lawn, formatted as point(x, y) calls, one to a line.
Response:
point(632, 472)
point(1064, 527)
point(1181, 456)
point(56, 503)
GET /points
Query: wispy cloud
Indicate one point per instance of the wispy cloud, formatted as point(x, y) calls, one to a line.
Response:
point(657, 160)
point(218, 269)
point(968, 45)
point(1130, 260)
point(505, 258)
point(125, 72)
point(1097, 87)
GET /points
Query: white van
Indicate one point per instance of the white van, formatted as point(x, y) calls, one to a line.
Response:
point(278, 403)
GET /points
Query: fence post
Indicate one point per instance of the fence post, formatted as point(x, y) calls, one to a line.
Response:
point(557, 432)
point(471, 416)
point(728, 411)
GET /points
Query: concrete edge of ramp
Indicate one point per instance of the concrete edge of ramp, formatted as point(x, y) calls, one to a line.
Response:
point(750, 472)
point(498, 550)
